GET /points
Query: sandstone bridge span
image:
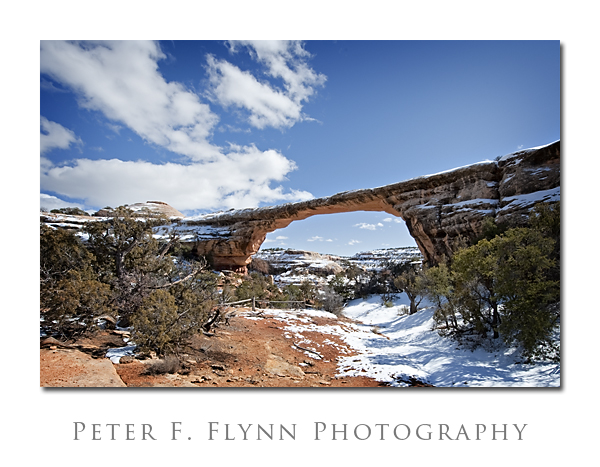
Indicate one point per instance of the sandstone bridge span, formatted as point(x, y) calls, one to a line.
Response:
point(438, 209)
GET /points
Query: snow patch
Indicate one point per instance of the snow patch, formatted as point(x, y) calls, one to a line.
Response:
point(408, 345)
point(115, 354)
point(530, 199)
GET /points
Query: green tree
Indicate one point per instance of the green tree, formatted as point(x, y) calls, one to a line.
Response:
point(123, 270)
point(475, 276)
point(154, 323)
point(168, 317)
point(506, 284)
point(255, 285)
point(125, 242)
point(308, 291)
point(129, 258)
point(410, 280)
point(60, 252)
point(74, 303)
point(293, 292)
point(439, 288)
point(341, 286)
point(70, 211)
point(545, 218)
point(71, 297)
point(530, 293)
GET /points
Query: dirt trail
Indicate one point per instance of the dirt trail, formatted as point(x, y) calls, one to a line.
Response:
point(254, 353)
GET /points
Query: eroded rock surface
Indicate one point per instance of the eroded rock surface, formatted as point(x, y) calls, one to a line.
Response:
point(150, 208)
point(438, 209)
point(72, 368)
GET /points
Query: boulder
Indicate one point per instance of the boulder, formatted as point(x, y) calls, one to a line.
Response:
point(279, 367)
point(72, 368)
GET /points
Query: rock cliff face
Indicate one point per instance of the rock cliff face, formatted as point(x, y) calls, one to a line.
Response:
point(438, 209)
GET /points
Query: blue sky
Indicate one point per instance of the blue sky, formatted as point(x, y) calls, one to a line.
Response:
point(210, 125)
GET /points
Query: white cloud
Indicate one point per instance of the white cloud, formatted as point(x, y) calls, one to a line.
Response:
point(50, 202)
point(353, 242)
point(267, 104)
point(122, 81)
point(54, 135)
point(116, 128)
point(363, 225)
point(393, 219)
point(316, 238)
point(236, 180)
point(286, 60)
point(281, 237)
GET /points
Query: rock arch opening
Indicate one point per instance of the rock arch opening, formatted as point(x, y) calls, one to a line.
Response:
point(342, 234)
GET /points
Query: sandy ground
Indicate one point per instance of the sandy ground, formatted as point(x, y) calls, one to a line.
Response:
point(244, 353)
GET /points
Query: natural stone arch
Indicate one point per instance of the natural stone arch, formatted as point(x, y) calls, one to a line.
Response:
point(439, 210)
point(230, 239)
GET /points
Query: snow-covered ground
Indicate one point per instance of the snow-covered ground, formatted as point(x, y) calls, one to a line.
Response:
point(393, 346)
point(408, 346)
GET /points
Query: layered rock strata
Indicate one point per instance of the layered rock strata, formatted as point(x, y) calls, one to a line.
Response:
point(439, 210)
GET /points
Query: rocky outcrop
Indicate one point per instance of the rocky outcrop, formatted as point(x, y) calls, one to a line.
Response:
point(439, 210)
point(72, 368)
point(149, 208)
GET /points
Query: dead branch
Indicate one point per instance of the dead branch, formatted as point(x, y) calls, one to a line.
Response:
point(174, 238)
point(212, 321)
point(179, 281)
point(308, 350)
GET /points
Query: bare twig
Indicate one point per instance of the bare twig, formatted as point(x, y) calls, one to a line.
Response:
point(308, 350)
point(171, 284)
point(173, 239)
point(236, 303)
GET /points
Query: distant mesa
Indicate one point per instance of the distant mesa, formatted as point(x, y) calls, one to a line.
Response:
point(289, 266)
